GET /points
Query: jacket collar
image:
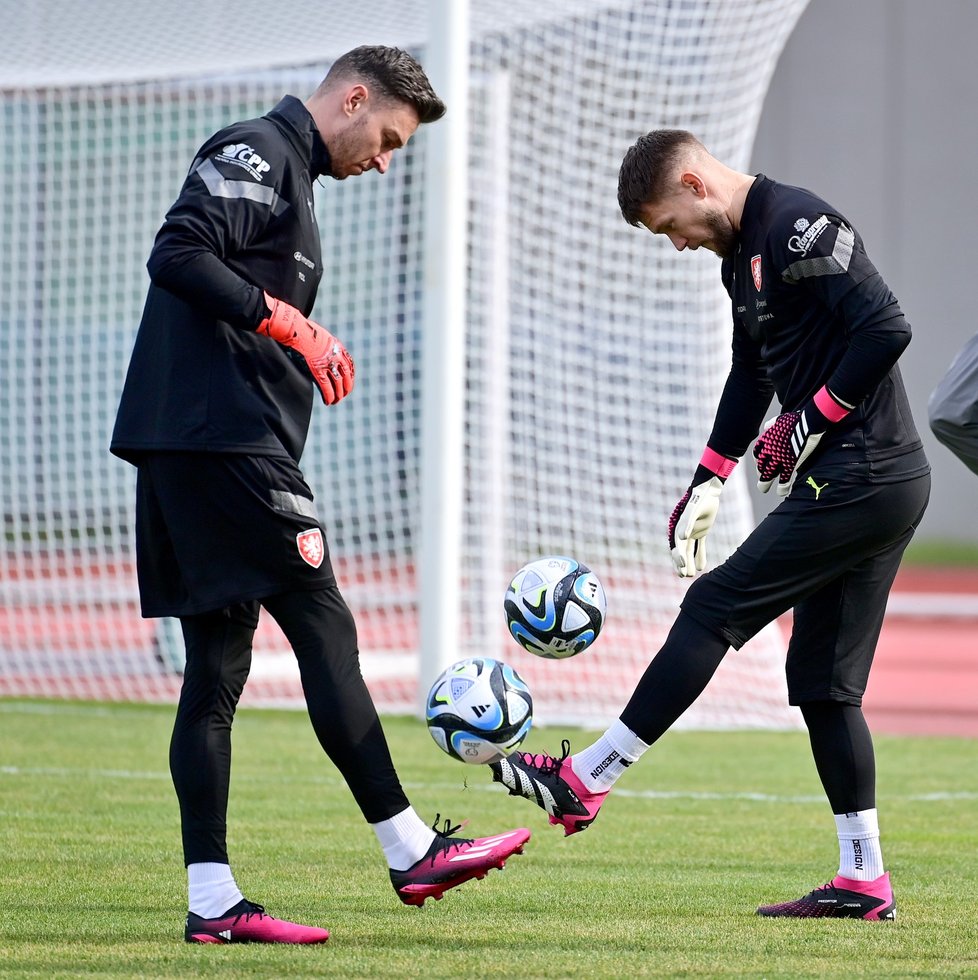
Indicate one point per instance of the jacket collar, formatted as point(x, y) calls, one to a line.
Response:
point(297, 123)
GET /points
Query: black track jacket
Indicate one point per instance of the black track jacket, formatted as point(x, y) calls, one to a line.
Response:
point(200, 378)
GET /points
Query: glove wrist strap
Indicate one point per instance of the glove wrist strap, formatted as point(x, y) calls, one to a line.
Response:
point(829, 405)
point(280, 322)
point(721, 466)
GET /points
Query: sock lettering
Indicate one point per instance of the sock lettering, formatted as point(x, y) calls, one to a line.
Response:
point(601, 766)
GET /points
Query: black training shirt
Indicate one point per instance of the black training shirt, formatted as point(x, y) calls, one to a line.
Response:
point(200, 378)
point(809, 309)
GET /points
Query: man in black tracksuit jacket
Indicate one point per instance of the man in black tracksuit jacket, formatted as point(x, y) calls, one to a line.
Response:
point(244, 224)
point(815, 324)
point(214, 415)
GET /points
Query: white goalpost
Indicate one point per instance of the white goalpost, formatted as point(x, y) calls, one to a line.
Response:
point(533, 375)
point(446, 193)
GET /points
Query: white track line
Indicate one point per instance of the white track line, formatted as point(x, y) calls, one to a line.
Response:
point(68, 772)
point(932, 605)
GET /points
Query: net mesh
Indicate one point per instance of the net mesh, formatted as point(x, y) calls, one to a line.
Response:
point(595, 354)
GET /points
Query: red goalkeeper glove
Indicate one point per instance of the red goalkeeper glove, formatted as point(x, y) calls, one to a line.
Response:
point(694, 515)
point(328, 360)
point(791, 438)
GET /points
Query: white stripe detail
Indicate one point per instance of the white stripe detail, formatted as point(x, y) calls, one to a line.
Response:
point(474, 853)
point(825, 265)
point(547, 800)
point(220, 186)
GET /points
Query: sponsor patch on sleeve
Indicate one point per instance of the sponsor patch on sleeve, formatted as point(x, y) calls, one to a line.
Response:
point(244, 156)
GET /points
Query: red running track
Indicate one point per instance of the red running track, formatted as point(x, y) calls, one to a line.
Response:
point(924, 680)
point(925, 677)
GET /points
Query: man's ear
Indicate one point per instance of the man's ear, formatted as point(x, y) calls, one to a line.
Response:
point(692, 181)
point(355, 97)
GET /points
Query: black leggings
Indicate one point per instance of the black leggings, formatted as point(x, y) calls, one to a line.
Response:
point(841, 743)
point(843, 751)
point(321, 630)
point(674, 679)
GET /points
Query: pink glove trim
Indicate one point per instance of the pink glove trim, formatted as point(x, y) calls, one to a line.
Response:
point(828, 406)
point(718, 464)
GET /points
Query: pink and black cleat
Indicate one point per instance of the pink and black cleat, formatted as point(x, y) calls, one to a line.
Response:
point(247, 922)
point(552, 785)
point(450, 861)
point(841, 898)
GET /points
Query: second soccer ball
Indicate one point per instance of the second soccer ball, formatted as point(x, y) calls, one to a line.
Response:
point(479, 710)
point(555, 607)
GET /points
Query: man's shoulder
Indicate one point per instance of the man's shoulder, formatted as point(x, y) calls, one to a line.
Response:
point(785, 203)
point(792, 219)
point(251, 149)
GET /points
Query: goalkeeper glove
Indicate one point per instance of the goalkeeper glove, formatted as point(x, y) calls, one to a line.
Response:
point(328, 360)
point(791, 438)
point(694, 515)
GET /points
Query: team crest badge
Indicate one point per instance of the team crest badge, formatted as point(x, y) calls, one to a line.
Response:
point(755, 270)
point(311, 547)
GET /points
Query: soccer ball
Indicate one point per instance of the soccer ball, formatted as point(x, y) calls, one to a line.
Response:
point(479, 710)
point(555, 607)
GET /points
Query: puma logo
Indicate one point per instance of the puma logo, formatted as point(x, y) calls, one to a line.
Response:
point(818, 489)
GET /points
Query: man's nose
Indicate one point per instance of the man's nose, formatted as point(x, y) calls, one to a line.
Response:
point(382, 161)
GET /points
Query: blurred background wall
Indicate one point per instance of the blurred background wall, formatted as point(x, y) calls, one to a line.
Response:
point(873, 106)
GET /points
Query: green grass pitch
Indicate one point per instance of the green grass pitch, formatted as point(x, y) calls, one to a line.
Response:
point(665, 883)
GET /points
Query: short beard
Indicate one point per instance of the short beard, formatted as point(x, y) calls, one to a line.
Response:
point(724, 237)
point(343, 145)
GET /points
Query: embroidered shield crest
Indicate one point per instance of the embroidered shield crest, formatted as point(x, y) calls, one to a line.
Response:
point(755, 270)
point(311, 548)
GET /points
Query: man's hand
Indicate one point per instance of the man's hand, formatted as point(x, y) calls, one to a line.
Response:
point(691, 519)
point(328, 360)
point(695, 513)
point(791, 438)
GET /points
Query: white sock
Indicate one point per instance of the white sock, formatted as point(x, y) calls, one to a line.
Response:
point(405, 838)
point(860, 856)
point(212, 890)
point(601, 763)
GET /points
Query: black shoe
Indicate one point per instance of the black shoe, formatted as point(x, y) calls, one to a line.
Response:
point(552, 785)
point(841, 898)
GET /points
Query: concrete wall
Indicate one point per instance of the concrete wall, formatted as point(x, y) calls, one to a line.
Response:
point(874, 106)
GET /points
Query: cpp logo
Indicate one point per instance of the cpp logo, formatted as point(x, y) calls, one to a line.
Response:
point(242, 155)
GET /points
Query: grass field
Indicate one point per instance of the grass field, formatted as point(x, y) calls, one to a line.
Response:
point(665, 884)
point(932, 551)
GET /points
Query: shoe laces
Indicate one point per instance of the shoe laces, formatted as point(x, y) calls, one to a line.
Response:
point(253, 909)
point(550, 765)
point(827, 889)
point(444, 841)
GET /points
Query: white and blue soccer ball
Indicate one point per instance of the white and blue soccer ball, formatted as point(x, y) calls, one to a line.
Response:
point(555, 607)
point(479, 710)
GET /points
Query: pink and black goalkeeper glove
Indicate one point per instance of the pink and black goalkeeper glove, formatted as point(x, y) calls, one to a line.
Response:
point(328, 360)
point(695, 513)
point(791, 438)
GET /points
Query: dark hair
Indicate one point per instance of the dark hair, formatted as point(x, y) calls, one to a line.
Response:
point(645, 171)
point(395, 73)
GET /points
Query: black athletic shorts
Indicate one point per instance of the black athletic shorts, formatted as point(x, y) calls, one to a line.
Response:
point(214, 529)
point(830, 552)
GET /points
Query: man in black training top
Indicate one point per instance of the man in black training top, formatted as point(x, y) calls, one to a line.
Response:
point(814, 324)
point(214, 415)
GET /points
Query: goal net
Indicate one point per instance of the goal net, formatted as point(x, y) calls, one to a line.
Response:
point(594, 354)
